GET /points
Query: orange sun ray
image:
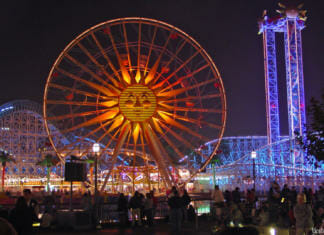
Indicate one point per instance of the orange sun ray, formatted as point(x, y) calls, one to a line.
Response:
point(138, 73)
point(127, 47)
point(150, 76)
point(78, 103)
point(150, 50)
point(103, 117)
point(73, 115)
point(124, 71)
point(105, 90)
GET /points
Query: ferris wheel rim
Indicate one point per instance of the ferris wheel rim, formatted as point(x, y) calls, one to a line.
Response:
point(148, 21)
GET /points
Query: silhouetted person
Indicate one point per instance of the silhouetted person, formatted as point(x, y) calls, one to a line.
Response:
point(148, 209)
point(185, 201)
point(285, 192)
point(31, 203)
point(122, 209)
point(21, 217)
point(135, 205)
point(175, 204)
point(228, 197)
point(236, 195)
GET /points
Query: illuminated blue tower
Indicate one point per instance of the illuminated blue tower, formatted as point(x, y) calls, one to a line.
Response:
point(290, 22)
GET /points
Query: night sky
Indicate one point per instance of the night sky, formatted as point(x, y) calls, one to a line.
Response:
point(33, 33)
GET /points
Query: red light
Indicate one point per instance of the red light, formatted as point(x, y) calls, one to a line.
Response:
point(106, 30)
point(190, 104)
point(216, 84)
point(174, 36)
point(69, 97)
point(165, 70)
point(55, 74)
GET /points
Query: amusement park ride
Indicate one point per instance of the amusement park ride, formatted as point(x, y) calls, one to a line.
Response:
point(154, 101)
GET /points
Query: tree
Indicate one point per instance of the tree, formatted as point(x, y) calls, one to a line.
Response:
point(49, 161)
point(313, 139)
point(4, 159)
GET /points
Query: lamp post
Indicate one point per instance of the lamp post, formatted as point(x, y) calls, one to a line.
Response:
point(96, 149)
point(253, 156)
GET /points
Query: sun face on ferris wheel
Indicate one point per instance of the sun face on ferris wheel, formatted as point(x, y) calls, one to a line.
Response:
point(136, 84)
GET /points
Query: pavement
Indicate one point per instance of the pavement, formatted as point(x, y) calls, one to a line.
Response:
point(161, 228)
point(204, 227)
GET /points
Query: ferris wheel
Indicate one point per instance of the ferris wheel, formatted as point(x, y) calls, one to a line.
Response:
point(139, 85)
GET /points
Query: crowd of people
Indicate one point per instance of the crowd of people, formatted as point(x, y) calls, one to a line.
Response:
point(282, 207)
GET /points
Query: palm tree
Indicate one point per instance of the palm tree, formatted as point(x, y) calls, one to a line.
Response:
point(4, 158)
point(49, 161)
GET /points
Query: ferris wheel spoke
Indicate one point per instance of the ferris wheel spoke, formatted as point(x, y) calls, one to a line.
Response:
point(180, 154)
point(178, 137)
point(194, 121)
point(175, 71)
point(113, 89)
point(156, 152)
point(171, 59)
point(103, 117)
point(74, 90)
point(118, 121)
point(150, 76)
point(79, 103)
point(73, 115)
point(108, 61)
point(189, 98)
point(105, 90)
point(125, 75)
point(150, 50)
point(127, 46)
point(101, 67)
point(165, 107)
point(83, 137)
point(181, 90)
point(138, 73)
point(120, 142)
point(174, 123)
point(167, 157)
point(179, 80)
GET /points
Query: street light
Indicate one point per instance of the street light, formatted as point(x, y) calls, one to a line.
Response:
point(253, 156)
point(96, 149)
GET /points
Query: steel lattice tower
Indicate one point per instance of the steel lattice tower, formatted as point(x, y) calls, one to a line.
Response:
point(290, 22)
